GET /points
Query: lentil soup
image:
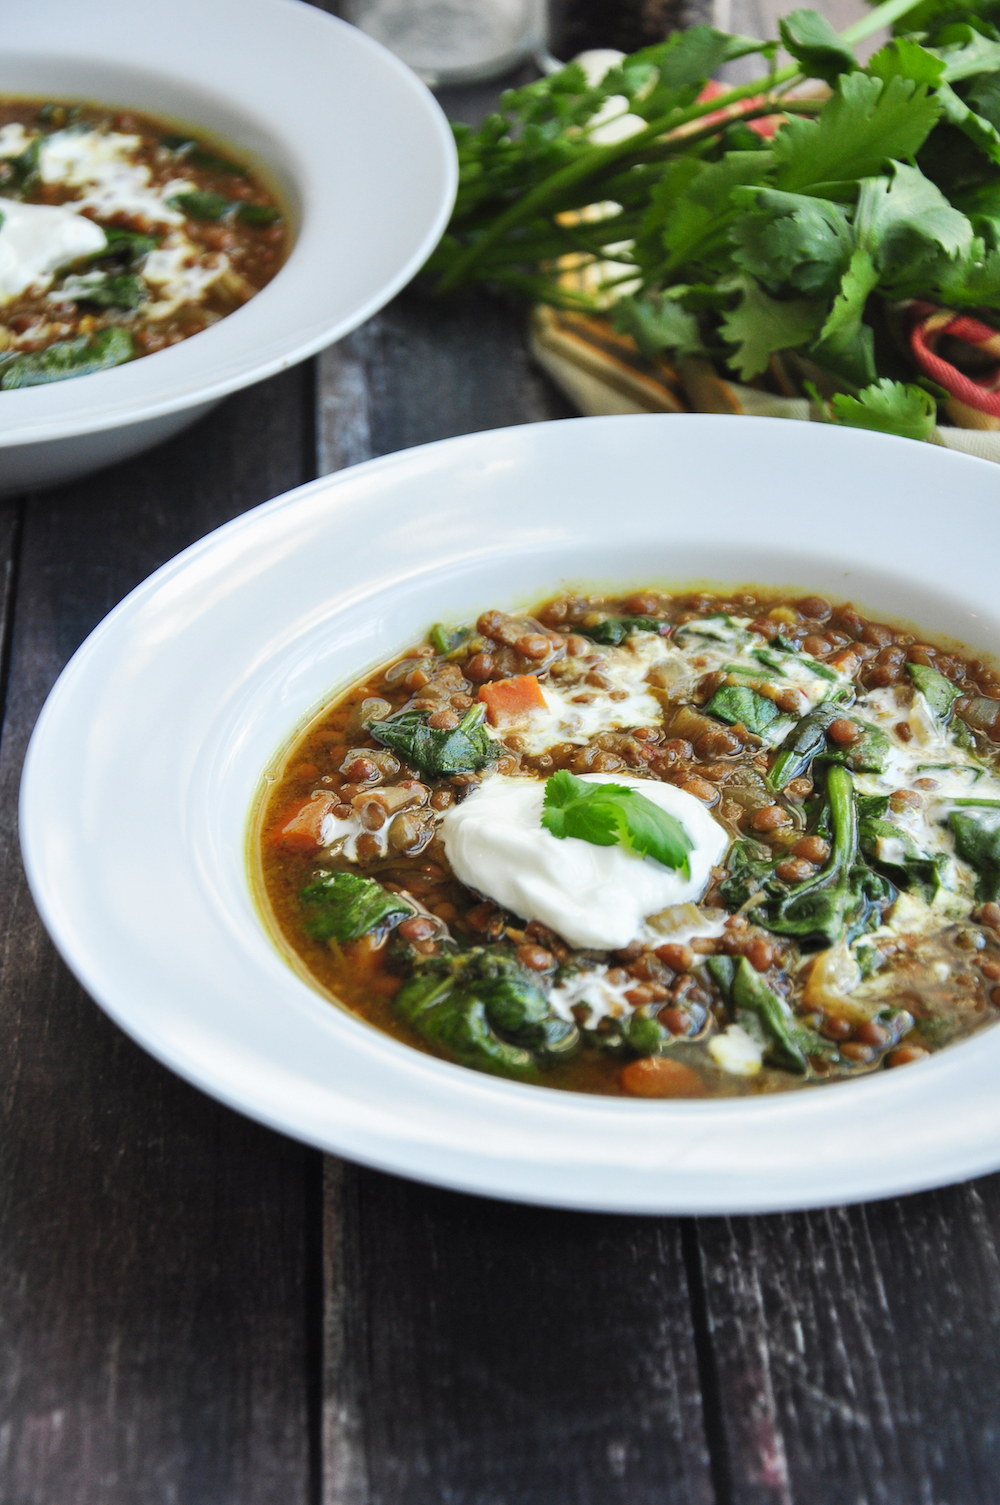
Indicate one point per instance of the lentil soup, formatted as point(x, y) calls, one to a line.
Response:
point(653, 845)
point(119, 236)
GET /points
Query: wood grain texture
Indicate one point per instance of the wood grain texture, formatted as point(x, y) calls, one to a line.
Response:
point(858, 1350)
point(421, 371)
point(490, 1354)
point(154, 1308)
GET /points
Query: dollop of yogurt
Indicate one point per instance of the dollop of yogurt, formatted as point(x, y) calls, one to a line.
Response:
point(37, 239)
point(592, 896)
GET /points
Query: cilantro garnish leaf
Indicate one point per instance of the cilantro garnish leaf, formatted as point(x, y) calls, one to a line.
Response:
point(759, 325)
point(866, 122)
point(610, 815)
point(846, 344)
point(888, 407)
point(815, 45)
point(658, 324)
point(788, 238)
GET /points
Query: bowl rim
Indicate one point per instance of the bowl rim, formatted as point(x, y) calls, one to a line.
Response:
point(962, 1075)
point(40, 415)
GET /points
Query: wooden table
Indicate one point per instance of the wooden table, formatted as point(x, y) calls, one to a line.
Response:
point(197, 1311)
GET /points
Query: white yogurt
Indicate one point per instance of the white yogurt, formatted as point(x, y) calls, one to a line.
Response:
point(36, 240)
point(592, 896)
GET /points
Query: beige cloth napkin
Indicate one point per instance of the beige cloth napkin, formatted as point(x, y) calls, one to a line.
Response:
point(601, 372)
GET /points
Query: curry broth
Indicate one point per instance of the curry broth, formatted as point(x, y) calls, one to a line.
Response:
point(933, 976)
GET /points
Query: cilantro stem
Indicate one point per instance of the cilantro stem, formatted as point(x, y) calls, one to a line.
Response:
point(882, 15)
point(591, 163)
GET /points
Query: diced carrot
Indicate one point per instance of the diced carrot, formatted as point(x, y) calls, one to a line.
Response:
point(659, 1076)
point(303, 830)
point(509, 699)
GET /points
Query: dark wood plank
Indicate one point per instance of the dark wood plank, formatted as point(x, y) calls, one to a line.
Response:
point(858, 1350)
point(489, 1354)
point(154, 1260)
point(423, 370)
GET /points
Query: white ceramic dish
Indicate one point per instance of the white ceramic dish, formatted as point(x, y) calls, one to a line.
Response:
point(145, 760)
point(355, 144)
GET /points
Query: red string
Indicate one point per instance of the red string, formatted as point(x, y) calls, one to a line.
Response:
point(962, 387)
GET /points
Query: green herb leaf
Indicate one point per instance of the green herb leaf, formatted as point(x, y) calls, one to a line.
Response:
point(200, 205)
point(803, 244)
point(481, 1009)
point(614, 630)
point(888, 407)
point(740, 704)
point(846, 344)
point(814, 44)
point(104, 289)
point(907, 864)
point(613, 814)
point(192, 151)
point(466, 747)
point(215, 206)
point(759, 325)
point(80, 357)
point(939, 693)
point(345, 906)
point(657, 324)
point(865, 123)
point(977, 840)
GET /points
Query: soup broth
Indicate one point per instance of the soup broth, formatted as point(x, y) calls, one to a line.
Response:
point(651, 845)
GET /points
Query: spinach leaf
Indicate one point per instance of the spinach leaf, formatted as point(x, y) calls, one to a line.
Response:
point(607, 815)
point(939, 693)
point(105, 289)
point(808, 739)
point(125, 246)
point(445, 640)
point(481, 1009)
point(344, 906)
point(775, 656)
point(215, 206)
point(868, 755)
point(871, 806)
point(894, 849)
point(838, 902)
point(740, 704)
point(20, 174)
point(66, 358)
point(614, 630)
point(467, 746)
point(257, 214)
point(790, 1043)
point(977, 839)
point(717, 629)
point(192, 151)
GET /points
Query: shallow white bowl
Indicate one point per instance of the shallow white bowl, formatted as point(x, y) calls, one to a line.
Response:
point(354, 143)
point(144, 763)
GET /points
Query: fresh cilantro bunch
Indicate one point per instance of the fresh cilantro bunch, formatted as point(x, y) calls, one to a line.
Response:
point(734, 247)
point(610, 815)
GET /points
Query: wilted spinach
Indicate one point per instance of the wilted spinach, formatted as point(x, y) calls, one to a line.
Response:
point(345, 906)
point(434, 750)
point(481, 1008)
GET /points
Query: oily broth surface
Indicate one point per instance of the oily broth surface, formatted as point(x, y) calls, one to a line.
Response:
point(364, 976)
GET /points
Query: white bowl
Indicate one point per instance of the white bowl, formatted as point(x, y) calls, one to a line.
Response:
point(354, 143)
point(144, 763)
